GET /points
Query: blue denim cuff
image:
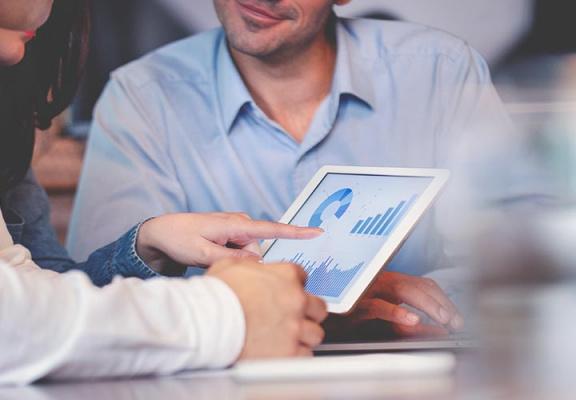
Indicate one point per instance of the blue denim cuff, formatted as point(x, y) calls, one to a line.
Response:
point(125, 260)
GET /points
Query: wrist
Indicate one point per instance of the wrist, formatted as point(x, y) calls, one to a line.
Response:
point(153, 257)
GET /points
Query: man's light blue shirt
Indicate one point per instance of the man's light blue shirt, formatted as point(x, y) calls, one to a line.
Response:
point(178, 131)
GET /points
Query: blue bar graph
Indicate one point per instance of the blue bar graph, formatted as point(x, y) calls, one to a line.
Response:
point(394, 213)
point(364, 225)
point(400, 215)
point(386, 215)
point(357, 226)
point(326, 279)
point(383, 224)
point(374, 221)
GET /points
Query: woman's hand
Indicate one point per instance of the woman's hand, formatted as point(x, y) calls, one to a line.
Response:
point(282, 320)
point(171, 242)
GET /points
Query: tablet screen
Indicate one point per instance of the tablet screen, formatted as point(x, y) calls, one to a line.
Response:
point(358, 213)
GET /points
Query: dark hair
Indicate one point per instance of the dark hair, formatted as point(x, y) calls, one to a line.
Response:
point(41, 86)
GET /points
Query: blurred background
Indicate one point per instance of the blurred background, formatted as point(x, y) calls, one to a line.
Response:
point(530, 46)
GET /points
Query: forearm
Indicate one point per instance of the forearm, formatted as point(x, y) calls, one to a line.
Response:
point(119, 258)
point(156, 327)
point(64, 327)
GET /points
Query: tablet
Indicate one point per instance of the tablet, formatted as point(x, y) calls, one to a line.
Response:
point(366, 213)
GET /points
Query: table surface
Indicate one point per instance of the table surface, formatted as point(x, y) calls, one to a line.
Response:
point(463, 383)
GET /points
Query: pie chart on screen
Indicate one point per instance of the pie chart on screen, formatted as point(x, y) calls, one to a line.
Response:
point(342, 196)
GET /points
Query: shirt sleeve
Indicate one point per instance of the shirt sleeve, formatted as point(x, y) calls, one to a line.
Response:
point(31, 227)
point(61, 326)
point(27, 209)
point(127, 174)
point(119, 258)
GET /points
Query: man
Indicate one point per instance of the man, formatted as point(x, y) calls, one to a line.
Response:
point(240, 118)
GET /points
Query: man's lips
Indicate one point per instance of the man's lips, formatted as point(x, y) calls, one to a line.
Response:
point(260, 12)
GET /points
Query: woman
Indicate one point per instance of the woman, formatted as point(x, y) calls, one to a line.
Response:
point(33, 93)
point(63, 326)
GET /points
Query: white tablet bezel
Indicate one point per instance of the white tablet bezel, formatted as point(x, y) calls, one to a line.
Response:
point(396, 239)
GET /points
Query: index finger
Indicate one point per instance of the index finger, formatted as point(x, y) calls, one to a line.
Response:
point(277, 230)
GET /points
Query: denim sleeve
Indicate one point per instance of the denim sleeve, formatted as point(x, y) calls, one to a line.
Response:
point(117, 258)
point(27, 213)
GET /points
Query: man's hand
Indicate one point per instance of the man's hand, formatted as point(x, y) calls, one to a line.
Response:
point(282, 320)
point(172, 241)
point(384, 300)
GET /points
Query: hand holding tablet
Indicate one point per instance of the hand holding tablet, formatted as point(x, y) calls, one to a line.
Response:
point(367, 213)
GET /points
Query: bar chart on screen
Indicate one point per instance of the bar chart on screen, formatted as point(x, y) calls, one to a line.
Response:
point(326, 277)
point(383, 224)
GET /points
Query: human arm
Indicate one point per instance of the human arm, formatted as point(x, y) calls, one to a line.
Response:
point(190, 239)
point(27, 211)
point(61, 326)
point(167, 244)
point(171, 242)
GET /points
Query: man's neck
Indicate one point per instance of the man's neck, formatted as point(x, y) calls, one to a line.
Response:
point(290, 89)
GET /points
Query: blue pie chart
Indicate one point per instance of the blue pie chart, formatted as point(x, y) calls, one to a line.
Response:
point(343, 196)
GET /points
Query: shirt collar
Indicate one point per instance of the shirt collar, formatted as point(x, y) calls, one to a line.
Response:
point(232, 92)
point(350, 76)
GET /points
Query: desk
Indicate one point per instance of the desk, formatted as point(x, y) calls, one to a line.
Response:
point(465, 383)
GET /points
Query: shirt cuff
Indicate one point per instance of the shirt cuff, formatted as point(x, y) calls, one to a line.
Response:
point(126, 261)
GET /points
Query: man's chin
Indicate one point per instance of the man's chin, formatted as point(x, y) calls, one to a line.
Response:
point(262, 51)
